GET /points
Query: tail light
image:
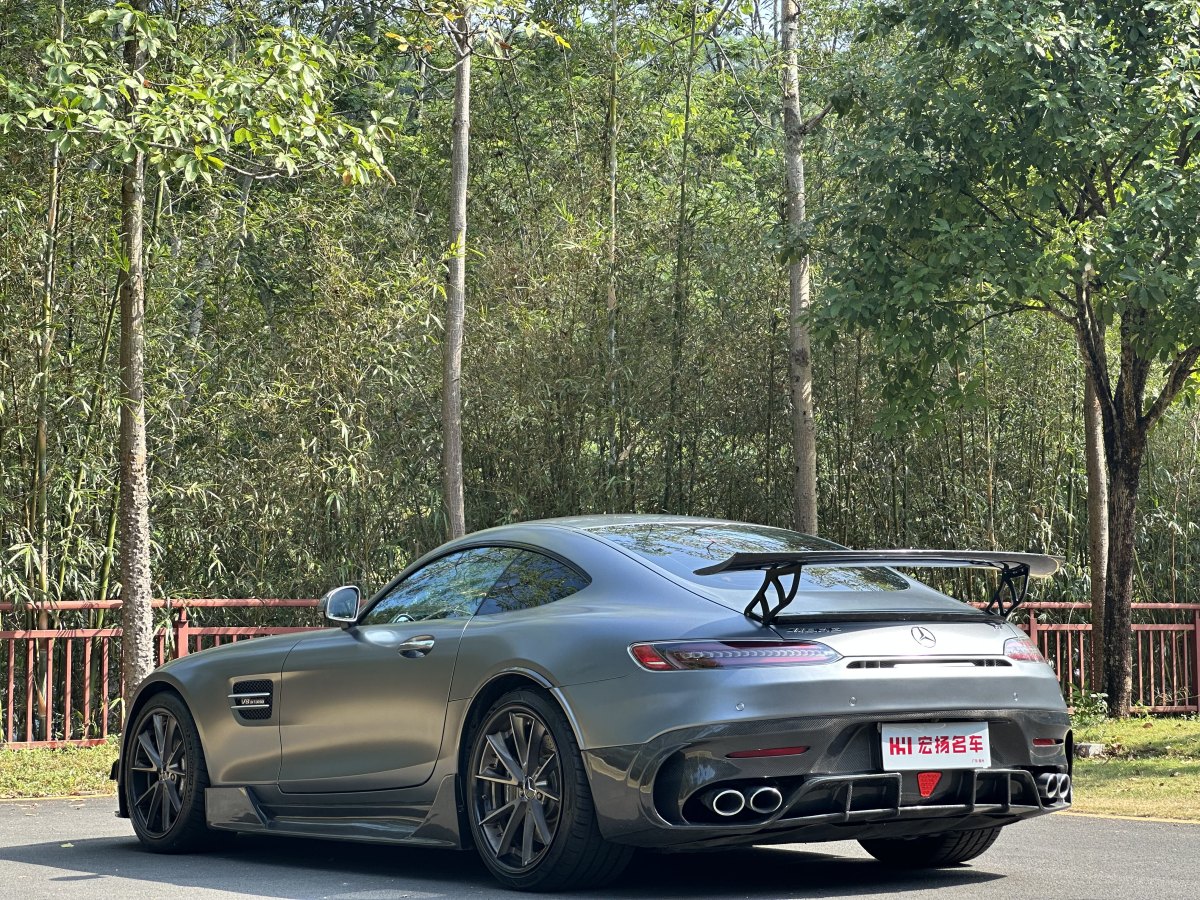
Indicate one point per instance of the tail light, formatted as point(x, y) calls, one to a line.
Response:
point(673, 656)
point(1022, 648)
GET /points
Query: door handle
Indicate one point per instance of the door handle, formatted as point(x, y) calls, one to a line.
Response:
point(416, 647)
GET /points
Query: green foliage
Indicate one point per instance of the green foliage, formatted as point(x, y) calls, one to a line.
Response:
point(1019, 157)
point(266, 108)
point(1088, 708)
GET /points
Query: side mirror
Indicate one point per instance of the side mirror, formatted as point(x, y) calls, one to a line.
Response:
point(340, 605)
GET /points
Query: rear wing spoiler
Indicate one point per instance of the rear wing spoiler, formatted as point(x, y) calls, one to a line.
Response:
point(1015, 571)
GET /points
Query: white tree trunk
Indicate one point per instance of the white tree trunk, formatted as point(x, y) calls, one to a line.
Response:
point(456, 290)
point(804, 428)
point(137, 641)
point(1097, 507)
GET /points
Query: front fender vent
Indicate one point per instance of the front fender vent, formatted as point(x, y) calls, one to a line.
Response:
point(251, 701)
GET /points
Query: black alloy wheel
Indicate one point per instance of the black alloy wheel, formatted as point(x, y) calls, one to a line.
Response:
point(528, 801)
point(165, 777)
point(518, 788)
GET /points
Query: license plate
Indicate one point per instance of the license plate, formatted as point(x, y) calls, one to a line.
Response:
point(936, 745)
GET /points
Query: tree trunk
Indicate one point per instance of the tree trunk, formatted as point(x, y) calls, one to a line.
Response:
point(41, 496)
point(456, 290)
point(137, 641)
point(1097, 508)
point(612, 492)
point(673, 500)
point(804, 431)
point(1124, 469)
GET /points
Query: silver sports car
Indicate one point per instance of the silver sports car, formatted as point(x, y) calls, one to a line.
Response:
point(558, 693)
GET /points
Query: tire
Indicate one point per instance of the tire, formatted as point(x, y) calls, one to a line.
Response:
point(931, 851)
point(165, 778)
point(529, 806)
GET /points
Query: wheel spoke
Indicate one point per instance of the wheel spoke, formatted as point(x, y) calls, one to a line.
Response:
point(499, 812)
point(160, 733)
point(165, 802)
point(546, 763)
point(520, 744)
point(175, 799)
point(496, 779)
point(537, 815)
point(155, 758)
point(527, 838)
point(510, 829)
point(174, 744)
point(154, 805)
point(533, 749)
point(497, 745)
point(150, 790)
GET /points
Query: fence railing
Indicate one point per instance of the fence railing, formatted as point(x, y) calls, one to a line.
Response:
point(63, 685)
point(1166, 654)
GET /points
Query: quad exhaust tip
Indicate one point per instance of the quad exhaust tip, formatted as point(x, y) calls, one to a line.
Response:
point(731, 801)
point(1053, 785)
point(727, 802)
point(766, 800)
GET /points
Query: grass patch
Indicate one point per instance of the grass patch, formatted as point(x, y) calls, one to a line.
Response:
point(55, 773)
point(1151, 767)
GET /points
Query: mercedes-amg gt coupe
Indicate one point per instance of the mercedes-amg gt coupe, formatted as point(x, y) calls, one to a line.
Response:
point(558, 693)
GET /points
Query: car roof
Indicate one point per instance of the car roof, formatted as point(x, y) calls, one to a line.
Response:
point(586, 523)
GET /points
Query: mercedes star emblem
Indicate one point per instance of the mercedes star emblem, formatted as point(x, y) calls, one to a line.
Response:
point(923, 636)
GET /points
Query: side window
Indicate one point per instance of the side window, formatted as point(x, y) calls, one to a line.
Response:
point(447, 588)
point(532, 580)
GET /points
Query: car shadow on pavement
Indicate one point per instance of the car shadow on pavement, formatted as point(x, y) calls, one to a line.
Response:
point(296, 869)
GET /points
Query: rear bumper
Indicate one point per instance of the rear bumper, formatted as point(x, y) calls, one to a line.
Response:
point(652, 795)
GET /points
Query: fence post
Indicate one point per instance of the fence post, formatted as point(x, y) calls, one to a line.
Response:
point(1195, 685)
point(183, 632)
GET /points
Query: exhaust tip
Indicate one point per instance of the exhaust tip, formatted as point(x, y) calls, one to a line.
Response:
point(766, 800)
point(1048, 785)
point(727, 802)
point(1064, 786)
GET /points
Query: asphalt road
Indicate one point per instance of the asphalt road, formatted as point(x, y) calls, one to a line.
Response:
point(77, 849)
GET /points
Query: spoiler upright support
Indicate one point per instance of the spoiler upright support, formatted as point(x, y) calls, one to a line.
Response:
point(1015, 570)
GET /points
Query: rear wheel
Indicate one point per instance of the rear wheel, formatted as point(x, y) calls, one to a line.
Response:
point(932, 851)
point(165, 778)
point(529, 804)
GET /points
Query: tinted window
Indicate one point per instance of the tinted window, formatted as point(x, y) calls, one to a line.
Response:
point(532, 580)
point(450, 587)
point(681, 549)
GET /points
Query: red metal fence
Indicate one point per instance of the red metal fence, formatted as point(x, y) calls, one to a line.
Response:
point(62, 685)
point(1166, 651)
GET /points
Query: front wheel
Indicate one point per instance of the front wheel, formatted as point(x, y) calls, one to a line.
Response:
point(931, 851)
point(528, 802)
point(165, 778)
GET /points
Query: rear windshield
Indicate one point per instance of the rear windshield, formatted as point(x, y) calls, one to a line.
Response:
point(682, 548)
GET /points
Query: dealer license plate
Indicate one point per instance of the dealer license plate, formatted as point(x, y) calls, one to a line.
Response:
point(927, 746)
